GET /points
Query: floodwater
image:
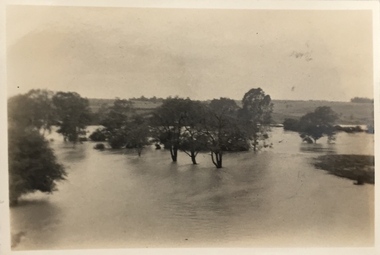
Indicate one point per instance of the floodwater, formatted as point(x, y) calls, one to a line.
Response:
point(274, 198)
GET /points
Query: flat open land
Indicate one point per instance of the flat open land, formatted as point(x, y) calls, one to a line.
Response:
point(349, 113)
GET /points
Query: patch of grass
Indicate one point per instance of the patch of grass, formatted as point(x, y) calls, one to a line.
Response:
point(355, 167)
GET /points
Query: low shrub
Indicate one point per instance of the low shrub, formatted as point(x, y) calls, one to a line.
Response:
point(99, 146)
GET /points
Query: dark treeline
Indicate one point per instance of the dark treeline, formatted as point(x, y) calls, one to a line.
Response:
point(361, 100)
point(180, 125)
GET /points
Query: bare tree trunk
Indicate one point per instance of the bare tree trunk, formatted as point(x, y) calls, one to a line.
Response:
point(212, 158)
point(218, 159)
point(193, 155)
point(173, 153)
point(139, 150)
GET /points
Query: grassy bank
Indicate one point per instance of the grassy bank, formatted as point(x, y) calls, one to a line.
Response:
point(355, 167)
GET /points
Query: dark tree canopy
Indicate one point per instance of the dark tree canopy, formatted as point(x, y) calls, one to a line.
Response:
point(73, 114)
point(257, 107)
point(32, 164)
point(99, 135)
point(33, 109)
point(192, 139)
point(168, 121)
point(115, 119)
point(291, 124)
point(361, 100)
point(315, 125)
point(224, 107)
point(138, 134)
point(223, 130)
point(116, 116)
point(257, 115)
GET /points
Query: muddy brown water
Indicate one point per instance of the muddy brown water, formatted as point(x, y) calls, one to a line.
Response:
point(114, 199)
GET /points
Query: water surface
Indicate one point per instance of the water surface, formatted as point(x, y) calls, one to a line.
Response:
point(114, 199)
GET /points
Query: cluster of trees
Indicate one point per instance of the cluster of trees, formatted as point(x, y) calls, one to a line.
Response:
point(190, 126)
point(180, 125)
point(122, 127)
point(32, 163)
point(314, 125)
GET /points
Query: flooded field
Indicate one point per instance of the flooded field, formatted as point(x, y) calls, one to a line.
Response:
point(114, 199)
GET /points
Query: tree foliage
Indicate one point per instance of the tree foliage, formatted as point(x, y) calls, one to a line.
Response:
point(168, 121)
point(191, 126)
point(257, 115)
point(73, 114)
point(32, 163)
point(192, 138)
point(314, 125)
point(361, 100)
point(138, 134)
point(32, 110)
point(115, 120)
point(116, 116)
point(99, 135)
point(291, 124)
point(222, 129)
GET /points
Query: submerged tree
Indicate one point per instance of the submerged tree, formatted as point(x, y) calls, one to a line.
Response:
point(138, 134)
point(73, 113)
point(168, 121)
point(221, 128)
point(291, 124)
point(257, 115)
point(314, 125)
point(116, 116)
point(193, 139)
point(115, 120)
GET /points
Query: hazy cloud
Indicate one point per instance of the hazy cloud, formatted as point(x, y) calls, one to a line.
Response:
point(126, 52)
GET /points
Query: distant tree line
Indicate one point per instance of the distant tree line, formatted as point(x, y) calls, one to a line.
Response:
point(361, 100)
point(153, 99)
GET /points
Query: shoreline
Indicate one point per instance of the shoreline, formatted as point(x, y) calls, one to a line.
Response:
point(359, 168)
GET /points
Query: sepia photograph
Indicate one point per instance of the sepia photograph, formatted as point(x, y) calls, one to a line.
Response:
point(167, 126)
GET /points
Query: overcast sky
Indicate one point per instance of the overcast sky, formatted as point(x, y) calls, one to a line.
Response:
point(201, 54)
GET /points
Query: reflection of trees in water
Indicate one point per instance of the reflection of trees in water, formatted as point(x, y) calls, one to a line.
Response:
point(74, 153)
point(318, 147)
point(43, 216)
point(219, 199)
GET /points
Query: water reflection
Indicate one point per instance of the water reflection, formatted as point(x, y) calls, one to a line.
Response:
point(42, 219)
point(72, 152)
point(318, 148)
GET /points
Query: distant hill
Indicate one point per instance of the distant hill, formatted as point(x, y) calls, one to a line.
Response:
point(349, 112)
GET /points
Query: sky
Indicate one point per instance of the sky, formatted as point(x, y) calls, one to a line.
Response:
point(102, 52)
